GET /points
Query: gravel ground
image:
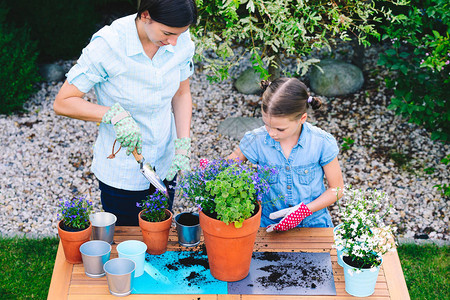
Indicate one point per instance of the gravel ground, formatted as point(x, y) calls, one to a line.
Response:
point(44, 157)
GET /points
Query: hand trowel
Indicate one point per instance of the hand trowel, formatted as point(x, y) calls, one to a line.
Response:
point(150, 174)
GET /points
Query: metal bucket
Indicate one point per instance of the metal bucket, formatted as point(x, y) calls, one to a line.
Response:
point(95, 254)
point(103, 225)
point(120, 276)
point(188, 235)
point(134, 250)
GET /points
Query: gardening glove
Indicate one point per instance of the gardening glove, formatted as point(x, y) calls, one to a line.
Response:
point(292, 216)
point(127, 130)
point(181, 159)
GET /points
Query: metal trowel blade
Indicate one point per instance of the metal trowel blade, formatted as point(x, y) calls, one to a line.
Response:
point(154, 179)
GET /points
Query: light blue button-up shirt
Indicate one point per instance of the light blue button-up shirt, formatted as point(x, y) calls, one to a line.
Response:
point(300, 177)
point(115, 64)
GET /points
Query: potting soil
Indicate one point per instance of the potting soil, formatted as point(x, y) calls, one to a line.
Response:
point(271, 273)
point(287, 273)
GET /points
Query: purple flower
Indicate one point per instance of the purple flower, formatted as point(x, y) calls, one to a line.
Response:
point(75, 212)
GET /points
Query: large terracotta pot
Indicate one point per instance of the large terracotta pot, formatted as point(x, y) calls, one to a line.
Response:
point(71, 241)
point(156, 234)
point(229, 248)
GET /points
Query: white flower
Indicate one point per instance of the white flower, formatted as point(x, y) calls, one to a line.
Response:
point(374, 269)
point(350, 271)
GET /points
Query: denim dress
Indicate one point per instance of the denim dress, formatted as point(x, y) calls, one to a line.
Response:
point(299, 178)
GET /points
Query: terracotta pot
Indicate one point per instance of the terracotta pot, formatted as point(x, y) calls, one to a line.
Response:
point(72, 241)
point(156, 234)
point(229, 248)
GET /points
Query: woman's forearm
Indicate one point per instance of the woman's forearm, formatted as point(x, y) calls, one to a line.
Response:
point(182, 109)
point(70, 103)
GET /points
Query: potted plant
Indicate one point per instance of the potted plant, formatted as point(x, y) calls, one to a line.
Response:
point(74, 227)
point(363, 238)
point(228, 195)
point(155, 221)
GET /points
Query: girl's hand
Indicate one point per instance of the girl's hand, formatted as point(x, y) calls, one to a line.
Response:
point(292, 216)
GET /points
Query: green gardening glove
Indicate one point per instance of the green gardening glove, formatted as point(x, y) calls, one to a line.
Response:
point(181, 159)
point(127, 130)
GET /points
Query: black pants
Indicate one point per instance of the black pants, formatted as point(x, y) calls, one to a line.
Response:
point(122, 203)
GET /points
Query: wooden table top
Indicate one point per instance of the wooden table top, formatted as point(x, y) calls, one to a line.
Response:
point(70, 282)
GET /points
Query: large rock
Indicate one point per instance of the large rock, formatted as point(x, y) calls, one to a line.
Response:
point(52, 72)
point(335, 78)
point(236, 127)
point(248, 82)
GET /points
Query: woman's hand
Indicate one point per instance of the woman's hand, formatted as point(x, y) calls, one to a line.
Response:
point(182, 156)
point(127, 130)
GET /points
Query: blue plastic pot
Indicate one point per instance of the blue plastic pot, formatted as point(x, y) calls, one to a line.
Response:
point(360, 284)
point(339, 253)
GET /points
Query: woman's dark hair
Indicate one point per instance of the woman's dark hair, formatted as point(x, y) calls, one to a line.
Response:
point(172, 13)
point(287, 97)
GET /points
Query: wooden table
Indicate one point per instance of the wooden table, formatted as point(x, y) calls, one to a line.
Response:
point(70, 282)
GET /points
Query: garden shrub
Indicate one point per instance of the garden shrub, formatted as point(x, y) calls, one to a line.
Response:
point(419, 61)
point(269, 28)
point(61, 27)
point(19, 71)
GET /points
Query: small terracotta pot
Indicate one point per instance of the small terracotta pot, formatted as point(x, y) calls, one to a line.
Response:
point(229, 249)
point(156, 234)
point(72, 241)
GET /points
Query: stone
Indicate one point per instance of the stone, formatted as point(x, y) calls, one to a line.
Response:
point(52, 72)
point(236, 127)
point(248, 82)
point(335, 78)
point(421, 236)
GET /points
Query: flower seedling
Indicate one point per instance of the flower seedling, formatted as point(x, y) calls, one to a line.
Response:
point(75, 213)
point(363, 234)
point(154, 207)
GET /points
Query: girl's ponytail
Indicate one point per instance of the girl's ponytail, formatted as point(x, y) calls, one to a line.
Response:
point(264, 85)
point(314, 102)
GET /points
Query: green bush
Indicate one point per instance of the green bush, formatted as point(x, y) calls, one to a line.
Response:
point(269, 28)
point(61, 27)
point(420, 62)
point(19, 71)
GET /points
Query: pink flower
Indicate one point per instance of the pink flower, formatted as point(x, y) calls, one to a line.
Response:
point(202, 163)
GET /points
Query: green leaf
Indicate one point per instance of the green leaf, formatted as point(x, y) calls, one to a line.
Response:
point(404, 69)
point(391, 52)
point(238, 224)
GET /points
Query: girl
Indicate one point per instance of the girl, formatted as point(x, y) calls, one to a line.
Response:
point(302, 154)
point(139, 67)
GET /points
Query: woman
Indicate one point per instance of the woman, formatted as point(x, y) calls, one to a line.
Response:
point(139, 67)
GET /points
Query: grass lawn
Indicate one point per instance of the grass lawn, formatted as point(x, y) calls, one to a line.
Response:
point(26, 266)
point(427, 270)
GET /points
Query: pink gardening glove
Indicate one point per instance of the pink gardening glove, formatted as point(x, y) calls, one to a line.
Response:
point(292, 216)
